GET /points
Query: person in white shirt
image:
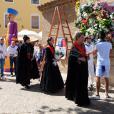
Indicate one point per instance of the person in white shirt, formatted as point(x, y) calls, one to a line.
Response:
point(3, 55)
point(103, 49)
point(12, 52)
point(89, 51)
point(36, 52)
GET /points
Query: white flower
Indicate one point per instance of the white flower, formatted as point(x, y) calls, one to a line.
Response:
point(104, 19)
point(79, 18)
point(90, 31)
point(112, 16)
point(85, 14)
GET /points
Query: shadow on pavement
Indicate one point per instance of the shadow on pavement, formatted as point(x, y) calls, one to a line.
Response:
point(110, 90)
point(58, 93)
point(33, 88)
point(96, 107)
point(11, 80)
point(36, 88)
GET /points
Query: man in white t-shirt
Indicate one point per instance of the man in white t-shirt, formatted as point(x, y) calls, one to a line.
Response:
point(103, 49)
point(89, 51)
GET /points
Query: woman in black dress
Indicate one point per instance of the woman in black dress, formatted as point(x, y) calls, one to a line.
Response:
point(77, 77)
point(26, 65)
point(51, 80)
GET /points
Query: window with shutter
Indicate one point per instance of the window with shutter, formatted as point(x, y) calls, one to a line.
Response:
point(35, 22)
point(8, 0)
point(6, 20)
point(35, 1)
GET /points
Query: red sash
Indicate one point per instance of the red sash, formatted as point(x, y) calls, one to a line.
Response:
point(81, 49)
point(51, 49)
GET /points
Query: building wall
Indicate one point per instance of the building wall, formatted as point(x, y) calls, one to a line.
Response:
point(47, 19)
point(112, 68)
point(25, 9)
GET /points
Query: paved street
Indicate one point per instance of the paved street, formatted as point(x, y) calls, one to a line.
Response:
point(14, 99)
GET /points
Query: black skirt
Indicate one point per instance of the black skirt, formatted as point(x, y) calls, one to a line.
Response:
point(77, 82)
point(51, 80)
point(34, 69)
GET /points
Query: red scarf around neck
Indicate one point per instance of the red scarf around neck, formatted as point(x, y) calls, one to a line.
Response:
point(81, 49)
point(51, 49)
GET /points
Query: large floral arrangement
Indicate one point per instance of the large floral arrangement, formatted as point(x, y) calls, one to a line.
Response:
point(94, 18)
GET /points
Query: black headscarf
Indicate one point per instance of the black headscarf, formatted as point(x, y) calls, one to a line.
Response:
point(25, 38)
point(48, 41)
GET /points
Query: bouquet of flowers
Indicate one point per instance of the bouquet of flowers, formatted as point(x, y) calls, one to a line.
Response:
point(94, 18)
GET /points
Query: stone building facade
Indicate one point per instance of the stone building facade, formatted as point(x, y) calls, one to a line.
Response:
point(47, 10)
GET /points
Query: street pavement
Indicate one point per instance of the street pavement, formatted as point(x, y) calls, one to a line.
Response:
point(14, 99)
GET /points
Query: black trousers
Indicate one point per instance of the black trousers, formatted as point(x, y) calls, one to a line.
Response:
point(12, 62)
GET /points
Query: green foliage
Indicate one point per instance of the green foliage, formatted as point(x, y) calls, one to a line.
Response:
point(92, 19)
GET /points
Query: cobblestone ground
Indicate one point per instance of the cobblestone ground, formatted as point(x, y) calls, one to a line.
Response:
point(14, 99)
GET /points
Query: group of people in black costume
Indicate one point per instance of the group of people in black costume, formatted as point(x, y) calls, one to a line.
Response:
point(51, 80)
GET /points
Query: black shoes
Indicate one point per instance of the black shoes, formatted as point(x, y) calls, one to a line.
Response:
point(27, 87)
